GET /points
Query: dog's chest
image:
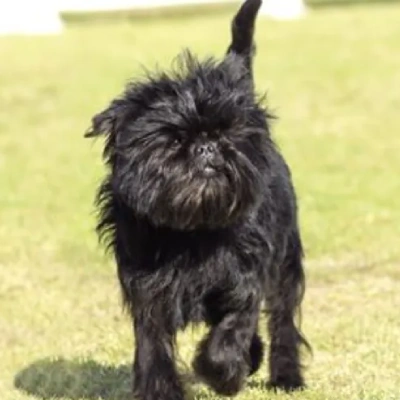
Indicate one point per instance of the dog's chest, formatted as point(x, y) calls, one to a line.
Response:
point(197, 259)
point(189, 265)
point(193, 266)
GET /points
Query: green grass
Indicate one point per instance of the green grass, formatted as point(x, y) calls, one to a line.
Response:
point(333, 78)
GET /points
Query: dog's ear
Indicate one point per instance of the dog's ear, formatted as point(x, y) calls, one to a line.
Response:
point(243, 31)
point(108, 121)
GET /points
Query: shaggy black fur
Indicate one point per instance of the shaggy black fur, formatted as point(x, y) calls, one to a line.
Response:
point(200, 212)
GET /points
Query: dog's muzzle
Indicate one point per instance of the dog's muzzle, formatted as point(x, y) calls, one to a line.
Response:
point(208, 158)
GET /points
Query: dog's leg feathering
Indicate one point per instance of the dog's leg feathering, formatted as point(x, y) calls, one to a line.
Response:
point(154, 372)
point(286, 339)
point(232, 350)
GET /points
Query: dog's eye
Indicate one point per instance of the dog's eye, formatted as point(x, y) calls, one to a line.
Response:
point(177, 140)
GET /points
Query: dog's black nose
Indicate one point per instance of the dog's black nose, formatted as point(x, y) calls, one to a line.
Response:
point(205, 149)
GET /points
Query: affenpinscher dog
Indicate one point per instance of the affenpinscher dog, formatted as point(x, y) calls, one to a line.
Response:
point(199, 210)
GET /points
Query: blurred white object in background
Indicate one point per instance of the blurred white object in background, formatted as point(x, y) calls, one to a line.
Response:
point(29, 17)
point(283, 9)
point(41, 17)
point(105, 5)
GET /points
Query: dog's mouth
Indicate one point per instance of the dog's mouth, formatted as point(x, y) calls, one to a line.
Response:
point(209, 171)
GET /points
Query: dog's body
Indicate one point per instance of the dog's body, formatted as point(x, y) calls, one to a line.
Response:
point(200, 212)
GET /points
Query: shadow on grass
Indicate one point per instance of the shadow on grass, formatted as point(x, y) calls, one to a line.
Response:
point(79, 379)
point(75, 379)
point(258, 385)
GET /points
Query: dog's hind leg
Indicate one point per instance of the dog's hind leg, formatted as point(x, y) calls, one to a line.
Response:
point(286, 339)
point(154, 370)
point(232, 350)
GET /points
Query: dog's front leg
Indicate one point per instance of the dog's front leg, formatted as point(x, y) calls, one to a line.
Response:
point(232, 349)
point(154, 372)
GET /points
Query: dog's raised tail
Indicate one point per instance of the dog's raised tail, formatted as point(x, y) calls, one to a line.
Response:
point(243, 30)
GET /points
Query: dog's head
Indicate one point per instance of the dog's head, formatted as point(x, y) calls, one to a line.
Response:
point(188, 150)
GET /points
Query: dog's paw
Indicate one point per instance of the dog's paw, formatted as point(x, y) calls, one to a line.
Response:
point(287, 384)
point(224, 373)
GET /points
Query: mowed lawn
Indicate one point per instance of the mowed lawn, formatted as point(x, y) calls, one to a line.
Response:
point(333, 79)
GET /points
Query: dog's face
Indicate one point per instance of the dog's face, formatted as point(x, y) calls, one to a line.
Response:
point(188, 151)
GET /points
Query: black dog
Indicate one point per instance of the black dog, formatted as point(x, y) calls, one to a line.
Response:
point(200, 212)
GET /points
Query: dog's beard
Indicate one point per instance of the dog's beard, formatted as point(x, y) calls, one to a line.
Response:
point(180, 196)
